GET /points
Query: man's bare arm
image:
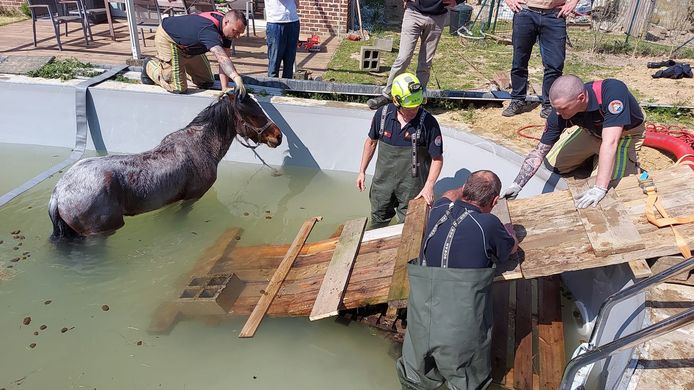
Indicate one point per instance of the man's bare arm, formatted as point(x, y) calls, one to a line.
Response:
point(225, 64)
point(532, 163)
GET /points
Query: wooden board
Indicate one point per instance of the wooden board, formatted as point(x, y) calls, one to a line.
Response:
point(268, 294)
point(609, 227)
point(500, 331)
point(333, 286)
point(511, 270)
point(410, 244)
point(550, 329)
point(640, 269)
point(556, 241)
point(523, 358)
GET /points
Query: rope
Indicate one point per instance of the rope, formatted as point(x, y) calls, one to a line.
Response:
point(520, 132)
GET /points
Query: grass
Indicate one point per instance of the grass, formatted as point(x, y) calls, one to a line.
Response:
point(680, 116)
point(64, 70)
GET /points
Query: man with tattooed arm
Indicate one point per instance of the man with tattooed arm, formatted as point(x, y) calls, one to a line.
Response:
point(182, 43)
point(610, 131)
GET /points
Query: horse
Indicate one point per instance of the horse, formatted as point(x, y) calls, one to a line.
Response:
point(92, 197)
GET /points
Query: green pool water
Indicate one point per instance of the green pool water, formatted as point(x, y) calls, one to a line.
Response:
point(134, 270)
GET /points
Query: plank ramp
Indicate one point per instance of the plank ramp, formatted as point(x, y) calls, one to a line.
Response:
point(333, 286)
point(268, 294)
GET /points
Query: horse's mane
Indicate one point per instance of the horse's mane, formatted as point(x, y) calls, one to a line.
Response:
point(218, 115)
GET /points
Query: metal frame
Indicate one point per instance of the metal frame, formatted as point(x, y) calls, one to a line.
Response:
point(596, 353)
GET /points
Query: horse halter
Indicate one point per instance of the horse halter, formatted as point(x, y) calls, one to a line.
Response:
point(258, 132)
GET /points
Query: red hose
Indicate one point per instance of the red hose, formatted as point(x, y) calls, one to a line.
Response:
point(681, 149)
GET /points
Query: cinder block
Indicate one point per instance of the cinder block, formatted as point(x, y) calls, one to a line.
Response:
point(210, 295)
point(370, 58)
point(384, 44)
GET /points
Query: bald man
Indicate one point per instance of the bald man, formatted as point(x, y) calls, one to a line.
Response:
point(610, 131)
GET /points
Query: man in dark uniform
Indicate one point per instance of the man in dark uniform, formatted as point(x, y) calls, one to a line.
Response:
point(182, 42)
point(449, 311)
point(610, 127)
point(410, 153)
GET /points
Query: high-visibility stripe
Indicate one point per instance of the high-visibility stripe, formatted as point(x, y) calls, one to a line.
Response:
point(209, 67)
point(622, 157)
point(555, 150)
point(176, 65)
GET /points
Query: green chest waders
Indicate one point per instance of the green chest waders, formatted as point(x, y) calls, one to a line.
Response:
point(449, 323)
point(400, 174)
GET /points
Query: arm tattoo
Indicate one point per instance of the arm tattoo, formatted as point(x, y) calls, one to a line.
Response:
point(225, 63)
point(532, 163)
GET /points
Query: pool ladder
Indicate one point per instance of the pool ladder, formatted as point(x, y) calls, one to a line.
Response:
point(595, 353)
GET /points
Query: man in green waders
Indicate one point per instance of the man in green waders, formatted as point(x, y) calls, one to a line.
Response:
point(449, 311)
point(410, 153)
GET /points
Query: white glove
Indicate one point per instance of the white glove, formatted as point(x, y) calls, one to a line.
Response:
point(512, 191)
point(591, 197)
point(240, 88)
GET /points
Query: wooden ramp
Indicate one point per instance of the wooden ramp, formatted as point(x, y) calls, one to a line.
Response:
point(326, 276)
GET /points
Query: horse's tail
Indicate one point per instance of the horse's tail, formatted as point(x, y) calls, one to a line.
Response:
point(61, 230)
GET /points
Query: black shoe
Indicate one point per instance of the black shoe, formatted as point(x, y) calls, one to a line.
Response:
point(144, 78)
point(546, 110)
point(377, 102)
point(660, 64)
point(518, 107)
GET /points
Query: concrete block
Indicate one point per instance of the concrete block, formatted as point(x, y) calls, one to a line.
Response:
point(384, 44)
point(210, 295)
point(370, 59)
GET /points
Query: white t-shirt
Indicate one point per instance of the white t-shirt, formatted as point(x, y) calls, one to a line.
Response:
point(280, 11)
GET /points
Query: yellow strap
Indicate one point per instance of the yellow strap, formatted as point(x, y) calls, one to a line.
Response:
point(653, 201)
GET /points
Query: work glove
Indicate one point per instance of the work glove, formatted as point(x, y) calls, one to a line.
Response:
point(591, 197)
point(512, 191)
point(240, 88)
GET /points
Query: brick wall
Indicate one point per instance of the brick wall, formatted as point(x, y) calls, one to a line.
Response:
point(323, 17)
point(10, 4)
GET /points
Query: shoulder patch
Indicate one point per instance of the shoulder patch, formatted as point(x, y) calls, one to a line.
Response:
point(615, 107)
point(437, 141)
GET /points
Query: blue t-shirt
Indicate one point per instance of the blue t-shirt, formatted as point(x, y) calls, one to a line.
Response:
point(195, 34)
point(618, 108)
point(479, 240)
point(394, 135)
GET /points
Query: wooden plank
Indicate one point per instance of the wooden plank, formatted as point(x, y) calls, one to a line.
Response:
point(410, 244)
point(273, 286)
point(501, 211)
point(335, 280)
point(523, 357)
point(640, 269)
point(609, 227)
point(512, 269)
point(500, 331)
point(550, 334)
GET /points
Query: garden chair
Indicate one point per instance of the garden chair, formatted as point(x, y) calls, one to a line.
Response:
point(248, 6)
point(95, 12)
point(197, 6)
point(57, 13)
point(147, 15)
point(173, 7)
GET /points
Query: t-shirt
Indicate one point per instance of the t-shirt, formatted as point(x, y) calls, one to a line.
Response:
point(195, 34)
point(280, 11)
point(428, 7)
point(619, 108)
point(394, 135)
point(480, 239)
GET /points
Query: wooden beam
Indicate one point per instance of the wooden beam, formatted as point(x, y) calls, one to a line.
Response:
point(410, 244)
point(275, 283)
point(500, 331)
point(335, 280)
point(609, 227)
point(550, 331)
point(640, 269)
point(523, 357)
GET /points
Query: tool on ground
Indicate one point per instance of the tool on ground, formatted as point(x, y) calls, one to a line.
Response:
point(312, 44)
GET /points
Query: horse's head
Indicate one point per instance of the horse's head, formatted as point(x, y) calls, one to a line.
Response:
point(252, 123)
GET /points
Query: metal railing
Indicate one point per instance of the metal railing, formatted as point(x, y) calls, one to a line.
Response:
point(596, 353)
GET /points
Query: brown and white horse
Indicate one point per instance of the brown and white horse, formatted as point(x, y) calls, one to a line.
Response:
point(94, 194)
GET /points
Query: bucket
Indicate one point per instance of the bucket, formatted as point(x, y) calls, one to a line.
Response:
point(460, 16)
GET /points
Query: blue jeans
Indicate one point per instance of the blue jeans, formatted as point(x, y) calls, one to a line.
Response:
point(281, 48)
point(530, 26)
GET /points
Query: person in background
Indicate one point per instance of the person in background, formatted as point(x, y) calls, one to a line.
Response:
point(423, 20)
point(533, 21)
point(610, 124)
point(449, 310)
point(410, 153)
point(182, 43)
point(282, 34)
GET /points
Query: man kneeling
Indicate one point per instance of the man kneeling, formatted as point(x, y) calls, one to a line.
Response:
point(449, 311)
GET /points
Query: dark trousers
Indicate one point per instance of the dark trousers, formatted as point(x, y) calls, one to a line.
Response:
point(530, 26)
point(281, 48)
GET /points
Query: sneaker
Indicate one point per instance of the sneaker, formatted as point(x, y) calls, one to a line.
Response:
point(144, 78)
point(546, 110)
point(518, 107)
point(377, 102)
